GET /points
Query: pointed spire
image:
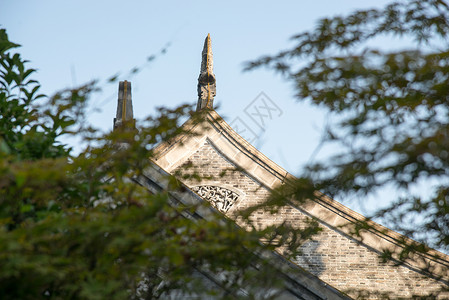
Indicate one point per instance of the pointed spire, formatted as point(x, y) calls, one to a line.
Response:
point(206, 80)
point(124, 105)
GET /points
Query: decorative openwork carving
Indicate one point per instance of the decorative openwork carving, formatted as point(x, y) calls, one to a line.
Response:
point(221, 198)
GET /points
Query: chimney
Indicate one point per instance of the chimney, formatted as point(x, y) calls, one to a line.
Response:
point(124, 115)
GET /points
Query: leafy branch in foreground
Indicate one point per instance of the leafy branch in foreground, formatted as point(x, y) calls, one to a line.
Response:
point(83, 227)
point(391, 109)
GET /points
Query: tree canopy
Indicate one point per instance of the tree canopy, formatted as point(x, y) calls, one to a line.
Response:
point(390, 109)
point(82, 227)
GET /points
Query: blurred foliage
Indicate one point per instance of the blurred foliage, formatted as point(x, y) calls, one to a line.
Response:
point(390, 110)
point(81, 227)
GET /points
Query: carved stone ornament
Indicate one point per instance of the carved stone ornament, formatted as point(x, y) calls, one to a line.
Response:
point(221, 198)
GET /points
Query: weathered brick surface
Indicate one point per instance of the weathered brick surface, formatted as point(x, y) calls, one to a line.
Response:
point(332, 256)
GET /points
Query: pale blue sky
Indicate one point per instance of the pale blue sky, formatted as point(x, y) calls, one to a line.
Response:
point(72, 42)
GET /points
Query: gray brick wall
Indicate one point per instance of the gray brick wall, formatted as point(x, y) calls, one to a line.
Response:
point(332, 256)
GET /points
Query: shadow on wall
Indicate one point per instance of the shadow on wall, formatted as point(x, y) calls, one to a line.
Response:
point(310, 259)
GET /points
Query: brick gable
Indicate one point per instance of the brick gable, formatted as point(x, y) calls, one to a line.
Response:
point(350, 265)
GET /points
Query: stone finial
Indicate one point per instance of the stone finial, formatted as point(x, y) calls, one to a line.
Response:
point(124, 105)
point(206, 80)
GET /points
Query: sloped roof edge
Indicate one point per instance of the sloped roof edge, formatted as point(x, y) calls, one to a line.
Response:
point(301, 283)
point(325, 209)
